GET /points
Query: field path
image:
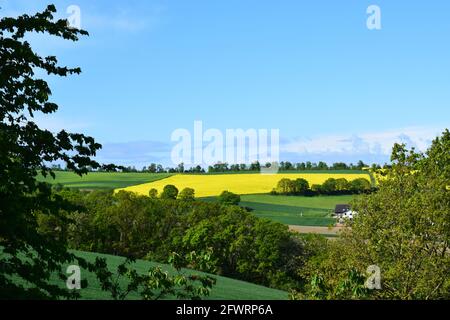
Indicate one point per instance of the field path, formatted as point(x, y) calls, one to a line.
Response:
point(317, 230)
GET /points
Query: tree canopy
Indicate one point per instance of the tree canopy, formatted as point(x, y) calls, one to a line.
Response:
point(27, 150)
point(403, 229)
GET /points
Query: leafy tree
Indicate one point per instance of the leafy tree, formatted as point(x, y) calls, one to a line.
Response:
point(322, 166)
point(234, 168)
point(255, 166)
point(180, 168)
point(329, 186)
point(361, 165)
point(342, 185)
point(403, 228)
point(301, 186)
point(26, 150)
point(156, 284)
point(360, 185)
point(317, 188)
point(300, 166)
point(238, 244)
point(152, 168)
point(285, 186)
point(187, 194)
point(288, 166)
point(229, 198)
point(340, 166)
point(169, 192)
point(243, 246)
point(153, 193)
point(35, 224)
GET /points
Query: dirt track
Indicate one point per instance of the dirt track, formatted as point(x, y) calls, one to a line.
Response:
point(318, 230)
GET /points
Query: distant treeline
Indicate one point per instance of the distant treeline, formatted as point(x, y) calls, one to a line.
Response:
point(301, 187)
point(289, 166)
point(253, 167)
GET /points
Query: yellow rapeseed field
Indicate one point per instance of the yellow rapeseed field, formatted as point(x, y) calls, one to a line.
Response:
point(213, 185)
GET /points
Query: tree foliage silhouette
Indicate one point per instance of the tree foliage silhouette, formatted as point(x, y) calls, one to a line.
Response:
point(26, 150)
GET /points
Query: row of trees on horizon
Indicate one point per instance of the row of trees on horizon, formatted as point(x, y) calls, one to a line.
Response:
point(253, 167)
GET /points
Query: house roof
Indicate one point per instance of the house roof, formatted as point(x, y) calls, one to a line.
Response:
point(342, 208)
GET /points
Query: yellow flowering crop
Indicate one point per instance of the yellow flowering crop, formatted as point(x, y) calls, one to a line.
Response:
point(213, 185)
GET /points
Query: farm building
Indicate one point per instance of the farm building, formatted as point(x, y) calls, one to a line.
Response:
point(341, 209)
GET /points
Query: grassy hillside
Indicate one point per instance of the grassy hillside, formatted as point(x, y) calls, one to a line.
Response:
point(225, 289)
point(302, 211)
point(103, 180)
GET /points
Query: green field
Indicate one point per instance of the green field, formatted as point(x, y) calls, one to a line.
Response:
point(304, 211)
point(115, 180)
point(225, 289)
point(103, 180)
point(292, 210)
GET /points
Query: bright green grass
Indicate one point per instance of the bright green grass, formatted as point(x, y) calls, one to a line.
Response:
point(317, 202)
point(292, 210)
point(225, 288)
point(103, 180)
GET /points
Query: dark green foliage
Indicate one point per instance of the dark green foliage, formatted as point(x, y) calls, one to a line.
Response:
point(169, 192)
point(285, 166)
point(331, 186)
point(285, 186)
point(153, 193)
point(25, 150)
point(301, 187)
point(360, 186)
point(239, 244)
point(342, 185)
point(403, 229)
point(229, 198)
point(187, 194)
point(35, 222)
point(156, 284)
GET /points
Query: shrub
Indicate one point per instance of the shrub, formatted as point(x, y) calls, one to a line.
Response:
point(153, 193)
point(169, 192)
point(301, 186)
point(285, 186)
point(187, 194)
point(342, 185)
point(229, 198)
point(360, 185)
point(329, 186)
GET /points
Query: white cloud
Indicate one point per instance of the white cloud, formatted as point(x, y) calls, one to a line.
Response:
point(372, 143)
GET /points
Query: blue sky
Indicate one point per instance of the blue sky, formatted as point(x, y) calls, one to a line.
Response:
point(336, 90)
